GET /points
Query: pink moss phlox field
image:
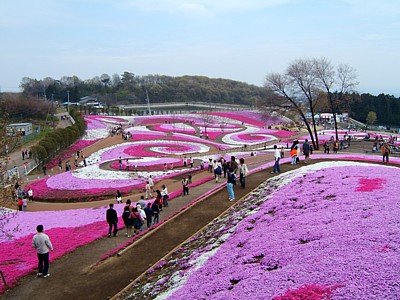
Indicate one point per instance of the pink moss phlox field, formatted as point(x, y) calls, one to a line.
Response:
point(154, 164)
point(315, 231)
point(18, 259)
point(82, 188)
point(249, 117)
point(182, 137)
point(70, 153)
point(94, 123)
point(184, 128)
point(104, 119)
point(145, 136)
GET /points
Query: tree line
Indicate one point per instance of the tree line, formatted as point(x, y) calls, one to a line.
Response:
point(129, 88)
point(386, 107)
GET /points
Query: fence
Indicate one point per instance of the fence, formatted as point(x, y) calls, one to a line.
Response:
point(19, 172)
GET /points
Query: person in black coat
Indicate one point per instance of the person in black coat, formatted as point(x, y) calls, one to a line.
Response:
point(149, 214)
point(156, 212)
point(112, 220)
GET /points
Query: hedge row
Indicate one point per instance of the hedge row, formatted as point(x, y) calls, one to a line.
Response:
point(59, 139)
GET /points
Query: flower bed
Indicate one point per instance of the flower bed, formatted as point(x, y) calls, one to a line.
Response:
point(249, 136)
point(78, 227)
point(149, 163)
point(250, 117)
point(147, 148)
point(175, 127)
point(300, 236)
point(79, 145)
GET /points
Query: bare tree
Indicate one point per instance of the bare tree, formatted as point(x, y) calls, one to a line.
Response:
point(298, 82)
point(337, 84)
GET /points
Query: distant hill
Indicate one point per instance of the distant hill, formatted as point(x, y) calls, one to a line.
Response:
point(131, 89)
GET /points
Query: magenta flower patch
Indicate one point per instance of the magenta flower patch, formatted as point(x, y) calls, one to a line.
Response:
point(370, 184)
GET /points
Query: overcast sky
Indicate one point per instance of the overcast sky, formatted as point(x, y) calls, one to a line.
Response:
point(233, 39)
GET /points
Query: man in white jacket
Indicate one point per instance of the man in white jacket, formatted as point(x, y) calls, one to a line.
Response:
point(42, 244)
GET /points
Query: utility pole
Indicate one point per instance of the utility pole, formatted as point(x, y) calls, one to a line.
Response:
point(148, 103)
point(68, 101)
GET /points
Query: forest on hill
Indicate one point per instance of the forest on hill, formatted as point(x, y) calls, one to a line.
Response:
point(131, 89)
point(386, 107)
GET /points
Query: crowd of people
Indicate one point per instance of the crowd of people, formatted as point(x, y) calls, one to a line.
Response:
point(136, 217)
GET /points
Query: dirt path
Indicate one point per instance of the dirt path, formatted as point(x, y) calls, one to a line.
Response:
point(76, 275)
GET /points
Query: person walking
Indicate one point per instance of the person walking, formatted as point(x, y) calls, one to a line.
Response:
point(233, 164)
point(243, 170)
point(151, 182)
point(127, 221)
point(164, 194)
point(231, 182)
point(277, 157)
point(282, 152)
point(149, 193)
point(141, 201)
point(41, 242)
point(118, 197)
point(185, 186)
point(191, 160)
point(137, 220)
point(24, 202)
point(159, 199)
point(217, 170)
point(30, 194)
point(112, 220)
point(149, 214)
point(143, 215)
point(20, 203)
point(293, 153)
point(385, 152)
point(156, 212)
point(306, 150)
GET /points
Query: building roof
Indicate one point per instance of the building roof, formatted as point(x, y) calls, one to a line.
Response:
point(19, 124)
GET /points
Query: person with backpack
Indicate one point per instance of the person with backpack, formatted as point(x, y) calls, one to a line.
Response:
point(385, 152)
point(127, 220)
point(137, 220)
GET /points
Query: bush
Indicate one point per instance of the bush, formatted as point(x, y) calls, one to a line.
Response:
point(39, 153)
